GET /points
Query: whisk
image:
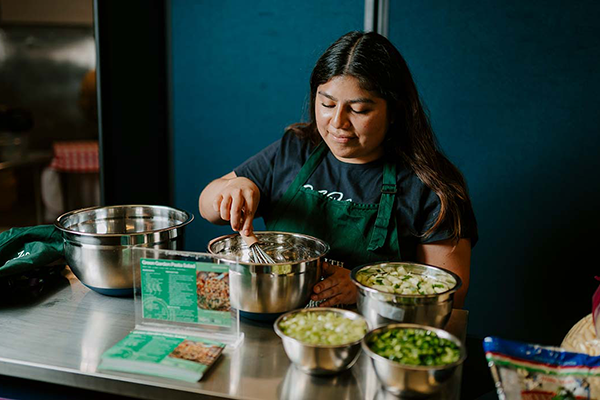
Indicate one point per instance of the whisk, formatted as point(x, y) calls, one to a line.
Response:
point(258, 254)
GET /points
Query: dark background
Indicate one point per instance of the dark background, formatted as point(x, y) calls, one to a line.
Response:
point(512, 89)
point(513, 92)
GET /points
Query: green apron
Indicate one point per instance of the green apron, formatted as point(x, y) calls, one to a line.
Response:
point(357, 233)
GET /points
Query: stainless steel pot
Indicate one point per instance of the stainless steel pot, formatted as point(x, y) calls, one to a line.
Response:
point(381, 308)
point(272, 288)
point(98, 241)
point(413, 380)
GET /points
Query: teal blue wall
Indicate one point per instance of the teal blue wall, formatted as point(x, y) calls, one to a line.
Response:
point(240, 73)
point(513, 89)
point(513, 92)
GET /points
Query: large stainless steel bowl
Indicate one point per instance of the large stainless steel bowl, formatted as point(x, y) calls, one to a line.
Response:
point(98, 241)
point(320, 359)
point(272, 288)
point(414, 380)
point(381, 308)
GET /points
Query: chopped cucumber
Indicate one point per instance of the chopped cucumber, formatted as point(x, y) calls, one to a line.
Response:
point(396, 279)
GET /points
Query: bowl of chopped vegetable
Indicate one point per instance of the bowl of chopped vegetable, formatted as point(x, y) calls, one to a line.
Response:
point(407, 292)
point(321, 341)
point(412, 359)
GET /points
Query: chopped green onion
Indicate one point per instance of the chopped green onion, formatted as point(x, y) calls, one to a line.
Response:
point(414, 347)
point(323, 328)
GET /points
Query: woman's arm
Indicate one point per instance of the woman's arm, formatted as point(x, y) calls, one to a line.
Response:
point(456, 258)
point(230, 199)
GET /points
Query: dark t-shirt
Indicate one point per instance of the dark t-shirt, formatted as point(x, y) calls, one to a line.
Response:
point(417, 206)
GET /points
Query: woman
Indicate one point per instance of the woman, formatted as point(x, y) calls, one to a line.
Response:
point(364, 174)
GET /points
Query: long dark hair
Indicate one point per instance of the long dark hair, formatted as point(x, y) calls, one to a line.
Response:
point(381, 69)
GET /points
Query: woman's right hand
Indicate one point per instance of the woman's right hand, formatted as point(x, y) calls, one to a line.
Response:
point(231, 199)
point(237, 203)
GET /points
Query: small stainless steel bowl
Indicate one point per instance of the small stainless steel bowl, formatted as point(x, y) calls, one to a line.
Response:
point(413, 380)
point(381, 308)
point(98, 241)
point(271, 288)
point(320, 359)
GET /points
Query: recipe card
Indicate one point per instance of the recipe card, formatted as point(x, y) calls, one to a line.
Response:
point(162, 354)
point(185, 291)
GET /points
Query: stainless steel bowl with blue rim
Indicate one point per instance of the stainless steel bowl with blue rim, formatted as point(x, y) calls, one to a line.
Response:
point(381, 308)
point(317, 359)
point(98, 241)
point(264, 291)
point(415, 380)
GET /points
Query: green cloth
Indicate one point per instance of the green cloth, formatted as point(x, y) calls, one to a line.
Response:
point(25, 249)
point(357, 233)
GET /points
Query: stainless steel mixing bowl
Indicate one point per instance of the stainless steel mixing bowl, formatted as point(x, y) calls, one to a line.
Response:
point(98, 241)
point(413, 380)
point(381, 308)
point(272, 288)
point(320, 359)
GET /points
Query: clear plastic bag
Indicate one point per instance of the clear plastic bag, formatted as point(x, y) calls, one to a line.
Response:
point(582, 338)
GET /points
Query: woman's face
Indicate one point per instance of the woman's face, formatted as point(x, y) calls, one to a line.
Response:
point(352, 121)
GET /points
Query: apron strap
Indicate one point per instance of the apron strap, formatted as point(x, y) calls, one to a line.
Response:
point(386, 207)
point(305, 172)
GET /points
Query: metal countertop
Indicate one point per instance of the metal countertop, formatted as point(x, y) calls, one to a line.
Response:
point(60, 337)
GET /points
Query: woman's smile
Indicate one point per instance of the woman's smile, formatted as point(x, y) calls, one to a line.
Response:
point(342, 138)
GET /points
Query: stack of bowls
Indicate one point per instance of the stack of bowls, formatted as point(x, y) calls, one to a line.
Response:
point(382, 308)
point(264, 291)
point(98, 240)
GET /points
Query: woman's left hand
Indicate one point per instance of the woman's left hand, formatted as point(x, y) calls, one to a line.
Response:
point(337, 288)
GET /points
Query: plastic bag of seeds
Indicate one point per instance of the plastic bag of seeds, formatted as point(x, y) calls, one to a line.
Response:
point(533, 372)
